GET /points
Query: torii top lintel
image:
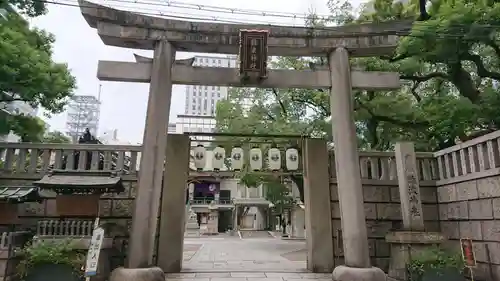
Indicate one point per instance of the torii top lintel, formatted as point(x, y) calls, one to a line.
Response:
point(133, 30)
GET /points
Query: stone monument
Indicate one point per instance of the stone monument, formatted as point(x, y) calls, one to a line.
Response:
point(413, 238)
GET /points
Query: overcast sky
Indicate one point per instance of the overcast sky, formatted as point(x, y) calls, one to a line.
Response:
point(124, 104)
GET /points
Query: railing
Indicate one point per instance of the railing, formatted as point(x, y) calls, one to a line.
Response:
point(14, 239)
point(476, 158)
point(29, 160)
point(65, 228)
point(381, 166)
point(207, 201)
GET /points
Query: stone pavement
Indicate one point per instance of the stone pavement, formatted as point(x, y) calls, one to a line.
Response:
point(249, 276)
point(232, 254)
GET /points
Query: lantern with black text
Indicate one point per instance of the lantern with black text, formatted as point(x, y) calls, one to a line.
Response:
point(199, 157)
point(255, 159)
point(274, 159)
point(292, 159)
point(237, 158)
point(218, 158)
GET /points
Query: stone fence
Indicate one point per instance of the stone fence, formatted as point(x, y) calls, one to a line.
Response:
point(468, 190)
point(460, 192)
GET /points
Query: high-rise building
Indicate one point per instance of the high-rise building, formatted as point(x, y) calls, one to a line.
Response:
point(202, 100)
point(172, 128)
point(83, 113)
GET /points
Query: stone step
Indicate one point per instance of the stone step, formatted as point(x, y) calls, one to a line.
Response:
point(255, 234)
point(249, 276)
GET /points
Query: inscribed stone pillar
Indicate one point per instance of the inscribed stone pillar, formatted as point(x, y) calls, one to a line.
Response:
point(320, 256)
point(145, 216)
point(412, 239)
point(172, 221)
point(350, 192)
point(409, 187)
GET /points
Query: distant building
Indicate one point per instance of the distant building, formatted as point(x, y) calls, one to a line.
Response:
point(15, 108)
point(172, 128)
point(195, 124)
point(202, 100)
point(109, 136)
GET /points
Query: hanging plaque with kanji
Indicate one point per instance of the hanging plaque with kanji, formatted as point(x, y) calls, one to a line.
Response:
point(253, 53)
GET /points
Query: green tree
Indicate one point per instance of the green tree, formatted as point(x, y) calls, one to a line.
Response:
point(29, 74)
point(31, 8)
point(56, 137)
point(449, 66)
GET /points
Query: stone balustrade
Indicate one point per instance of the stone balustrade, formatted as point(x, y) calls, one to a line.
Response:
point(456, 163)
point(68, 228)
point(459, 192)
point(472, 159)
point(32, 161)
point(206, 201)
point(381, 166)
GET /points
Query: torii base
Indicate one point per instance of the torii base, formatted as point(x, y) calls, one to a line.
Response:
point(345, 273)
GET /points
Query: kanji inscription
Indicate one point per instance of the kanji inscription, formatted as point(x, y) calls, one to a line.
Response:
point(253, 52)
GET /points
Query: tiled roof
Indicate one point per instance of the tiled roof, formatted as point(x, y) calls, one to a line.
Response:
point(19, 194)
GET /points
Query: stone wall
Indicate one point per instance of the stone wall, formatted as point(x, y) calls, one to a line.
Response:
point(383, 214)
point(471, 209)
point(115, 213)
point(469, 199)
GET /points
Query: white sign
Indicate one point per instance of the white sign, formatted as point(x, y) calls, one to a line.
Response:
point(94, 251)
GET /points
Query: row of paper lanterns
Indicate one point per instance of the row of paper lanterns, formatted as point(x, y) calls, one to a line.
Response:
point(255, 158)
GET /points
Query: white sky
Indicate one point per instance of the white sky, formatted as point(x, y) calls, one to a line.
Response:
point(124, 104)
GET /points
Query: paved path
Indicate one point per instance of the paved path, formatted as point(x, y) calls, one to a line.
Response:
point(232, 254)
point(248, 276)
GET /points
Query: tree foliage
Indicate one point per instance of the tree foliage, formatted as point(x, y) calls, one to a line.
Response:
point(449, 66)
point(56, 137)
point(29, 75)
point(31, 8)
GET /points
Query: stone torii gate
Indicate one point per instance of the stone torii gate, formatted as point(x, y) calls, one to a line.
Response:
point(166, 36)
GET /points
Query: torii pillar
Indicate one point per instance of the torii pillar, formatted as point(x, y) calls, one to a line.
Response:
point(356, 255)
point(147, 201)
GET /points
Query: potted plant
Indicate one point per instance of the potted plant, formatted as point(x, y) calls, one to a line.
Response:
point(51, 260)
point(435, 263)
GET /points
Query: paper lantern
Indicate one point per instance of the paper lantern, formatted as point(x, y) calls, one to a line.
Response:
point(200, 157)
point(237, 158)
point(292, 159)
point(219, 154)
point(274, 159)
point(255, 159)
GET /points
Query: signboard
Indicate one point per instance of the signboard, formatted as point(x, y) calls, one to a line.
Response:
point(468, 252)
point(253, 52)
point(94, 251)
